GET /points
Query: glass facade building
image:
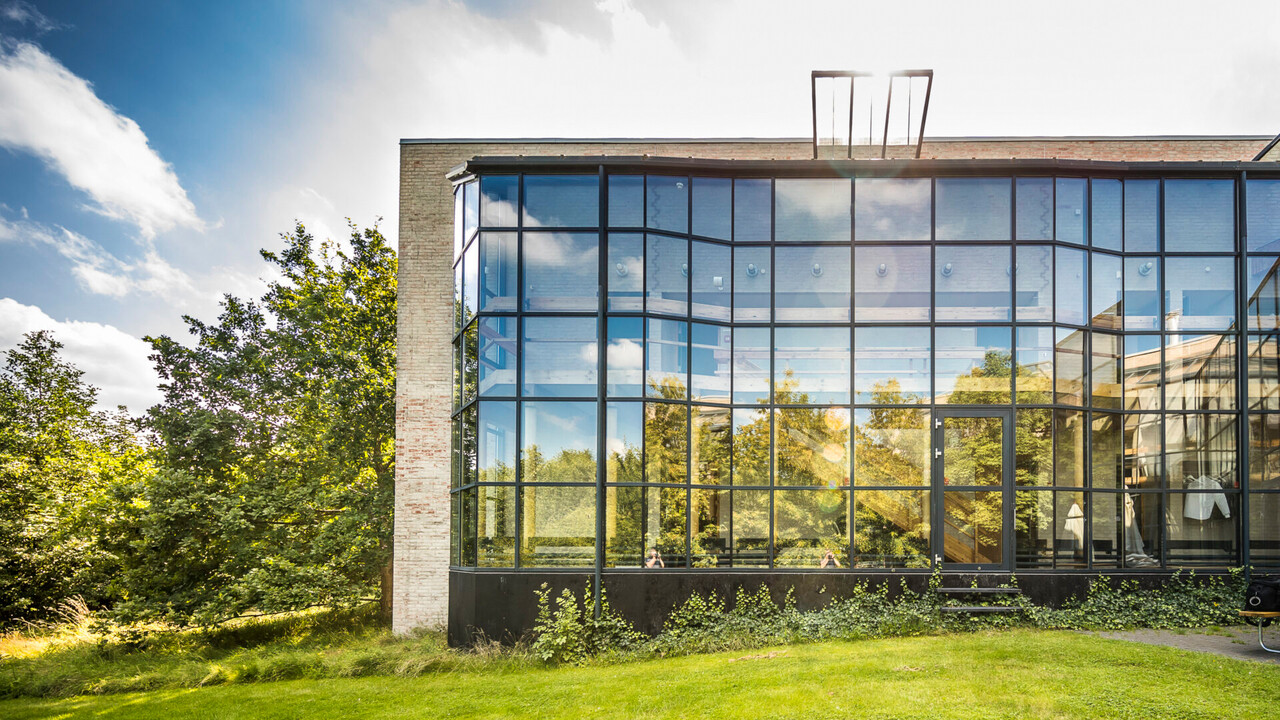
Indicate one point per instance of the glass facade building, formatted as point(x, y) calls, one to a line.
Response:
point(966, 365)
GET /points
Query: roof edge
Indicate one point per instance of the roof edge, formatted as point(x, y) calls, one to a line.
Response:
point(809, 140)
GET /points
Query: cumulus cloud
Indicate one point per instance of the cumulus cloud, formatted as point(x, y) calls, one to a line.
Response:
point(48, 111)
point(113, 361)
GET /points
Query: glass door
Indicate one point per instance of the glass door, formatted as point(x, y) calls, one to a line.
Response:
point(973, 489)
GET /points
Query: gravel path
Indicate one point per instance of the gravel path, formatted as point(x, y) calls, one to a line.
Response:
point(1239, 642)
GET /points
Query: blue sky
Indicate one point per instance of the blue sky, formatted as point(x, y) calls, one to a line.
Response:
point(149, 149)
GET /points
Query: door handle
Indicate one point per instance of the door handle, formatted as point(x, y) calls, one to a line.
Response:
point(937, 452)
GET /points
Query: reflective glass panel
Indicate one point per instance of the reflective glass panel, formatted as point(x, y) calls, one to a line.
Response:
point(893, 208)
point(455, 527)
point(751, 347)
point(1141, 215)
point(891, 366)
point(1143, 517)
point(457, 222)
point(1143, 444)
point(975, 528)
point(1106, 213)
point(498, 284)
point(1200, 451)
point(752, 210)
point(808, 525)
point(1264, 372)
point(625, 275)
point(624, 438)
point(561, 201)
point(470, 453)
point(497, 356)
point(625, 359)
point(557, 526)
point(972, 283)
point(498, 201)
point(1035, 208)
point(1199, 293)
point(561, 271)
point(811, 365)
point(1107, 450)
point(1104, 372)
point(666, 359)
point(626, 201)
point(1069, 539)
point(892, 284)
point(752, 284)
point(1069, 364)
point(712, 281)
point(750, 528)
point(1035, 365)
point(470, 363)
point(1263, 226)
point(645, 527)
point(468, 524)
point(496, 526)
point(892, 446)
point(1106, 291)
point(891, 529)
point(811, 210)
point(1108, 529)
point(666, 443)
point(1033, 529)
point(1264, 529)
point(1141, 293)
point(1142, 378)
point(1200, 372)
point(972, 451)
point(559, 442)
point(1035, 283)
point(1071, 206)
point(470, 210)
point(812, 284)
point(710, 531)
point(713, 207)
point(811, 447)
point(1072, 286)
point(974, 209)
point(751, 433)
point(1264, 452)
point(470, 282)
point(710, 361)
point(972, 365)
point(559, 357)
point(1264, 292)
point(712, 445)
point(1199, 215)
point(667, 203)
point(1201, 529)
point(1033, 447)
point(666, 275)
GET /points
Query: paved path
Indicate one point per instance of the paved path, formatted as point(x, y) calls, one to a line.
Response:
point(1239, 642)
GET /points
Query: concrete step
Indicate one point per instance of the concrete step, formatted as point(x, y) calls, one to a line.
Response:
point(992, 609)
point(978, 591)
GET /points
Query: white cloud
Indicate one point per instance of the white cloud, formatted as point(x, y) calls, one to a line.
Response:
point(113, 361)
point(48, 111)
point(24, 13)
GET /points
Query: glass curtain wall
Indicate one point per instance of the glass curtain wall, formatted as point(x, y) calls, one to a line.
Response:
point(676, 371)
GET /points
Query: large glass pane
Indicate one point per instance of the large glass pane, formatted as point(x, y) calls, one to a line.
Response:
point(1201, 529)
point(1069, 540)
point(972, 365)
point(1033, 447)
point(1068, 366)
point(1034, 367)
point(557, 527)
point(711, 524)
point(1263, 292)
point(559, 442)
point(1106, 286)
point(710, 361)
point(892, 284)
point(811, 447)
point(1263, 226)
point(751, 349)
point(1264, 372)
point(1141, 293)
point(498, 201)
point(1264, 530)
point(712, 445)
point(1200, 293)
point(468, 522)
point(1035, 208)
point(713, 207)
point(496, 363)
point(751, 434)
point(1141, 215)
point(1107, 531)
point(1104, 372)
point(891, 529)
point(811, 210)
point(470, 282)
point(972, 451)
point(751, 528)
point(666, 367)
point(1069, 446)
point(561, 201)
point(1072, 286)
point(470, 210)
point(470, 454)
point(811, 365)
point(666, 443)
point(1033, 529)
point(1143, 517)
point(974, 525)
point(667, 203)
point(1142, 376)
point(496, 526)
point(498, 284)
point(712, 281)
point(752, 210)
point(972, 283)
point(1143, 445)
point(1107, 450)
point(458, 194)
point(625, 357)
point(561, 271)
point(892, 366)
point(809, 524)
point(974, 209)
point(1199, 215)
point(624, 433)
point(1264, 452)
point(892, 446)
point(812, 284)
point(752, 284)
point(1035, 283)
point(455, 528)
point(496, 442)
point(626, 201)
point(893, 208)
point(666, 275)
point(559, 355)
point(626, 272)
point(1071, 209)
point(641, 520)
point(1200, 372)
point(1106, 213)
point(459, 305)
point(1200, 451)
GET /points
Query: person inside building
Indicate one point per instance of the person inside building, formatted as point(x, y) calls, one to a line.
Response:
point(654, 559)
point(829, 560)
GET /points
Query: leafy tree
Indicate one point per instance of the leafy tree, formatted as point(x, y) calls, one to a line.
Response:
point(275, 481)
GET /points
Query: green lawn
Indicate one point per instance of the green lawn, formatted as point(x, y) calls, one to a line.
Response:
point(1013, 674)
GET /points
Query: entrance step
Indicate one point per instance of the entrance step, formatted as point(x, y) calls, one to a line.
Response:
point(1003, 609)
point(962, 591)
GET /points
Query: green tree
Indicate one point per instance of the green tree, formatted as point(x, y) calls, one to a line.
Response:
point(275, 481)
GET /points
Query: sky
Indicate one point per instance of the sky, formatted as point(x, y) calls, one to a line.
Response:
point(149, 150)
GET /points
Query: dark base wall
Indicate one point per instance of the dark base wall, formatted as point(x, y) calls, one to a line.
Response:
point(502, 606)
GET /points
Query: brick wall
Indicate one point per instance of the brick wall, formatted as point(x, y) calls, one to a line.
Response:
point(423, 393)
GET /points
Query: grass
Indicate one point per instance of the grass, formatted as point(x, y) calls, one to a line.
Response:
point(1006, 674)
